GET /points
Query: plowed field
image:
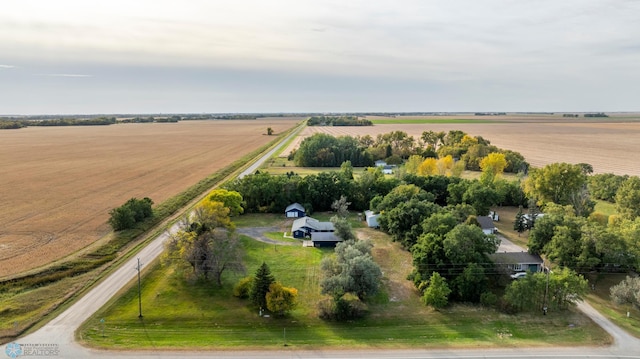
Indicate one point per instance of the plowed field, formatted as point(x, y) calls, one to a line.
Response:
point(609, 145)
point(57, 184)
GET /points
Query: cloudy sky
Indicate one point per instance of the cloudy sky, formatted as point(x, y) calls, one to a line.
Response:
point(161, 56)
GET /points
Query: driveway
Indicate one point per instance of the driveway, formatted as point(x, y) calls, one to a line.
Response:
point(257, 233)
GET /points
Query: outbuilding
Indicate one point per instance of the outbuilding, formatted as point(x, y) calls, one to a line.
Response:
point(295, 210)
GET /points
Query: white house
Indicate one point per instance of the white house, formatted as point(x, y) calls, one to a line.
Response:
point(486, 223)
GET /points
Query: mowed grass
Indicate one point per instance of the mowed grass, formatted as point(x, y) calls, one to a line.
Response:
point(606, 208)
point(391, 121)
point(183, 315)
point(505, 225)
point(600, 298)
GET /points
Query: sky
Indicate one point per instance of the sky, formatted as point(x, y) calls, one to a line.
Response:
point(242, 56)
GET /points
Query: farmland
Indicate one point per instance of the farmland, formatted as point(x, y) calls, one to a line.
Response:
point(608, 144)
point(59, 183)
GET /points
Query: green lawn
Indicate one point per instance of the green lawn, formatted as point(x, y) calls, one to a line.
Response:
point(606, 208)
point(179, 314)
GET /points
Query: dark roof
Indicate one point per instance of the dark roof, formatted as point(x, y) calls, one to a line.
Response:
point(485, 222)
point(516, 258)
point(312, 224)
point(325, 237)
point(292, 206)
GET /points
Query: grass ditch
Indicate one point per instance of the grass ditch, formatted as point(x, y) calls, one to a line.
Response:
point(27, 299)
point(179, 314)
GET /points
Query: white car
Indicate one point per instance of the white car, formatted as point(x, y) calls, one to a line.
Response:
point(518, 275)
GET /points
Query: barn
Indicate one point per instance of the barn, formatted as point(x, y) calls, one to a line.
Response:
point(295, 210)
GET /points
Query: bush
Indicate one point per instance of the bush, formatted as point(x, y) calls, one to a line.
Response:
point(130, 213)
point(349, 306)
point(242, 289)
point(488, 299)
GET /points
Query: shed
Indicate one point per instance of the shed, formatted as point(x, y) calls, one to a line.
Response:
point(518, 261)
point(372, 219)
point(294, 210)
point(325, 239)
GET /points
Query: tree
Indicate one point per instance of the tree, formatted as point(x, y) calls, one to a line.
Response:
point(605, 185)
point(428, 167)
point(211, 214)
point(413, 163)
point(555, 183)
point(468, 244)
point(628, 198)
point(437, 292)
point(627, 292)
point(341, 207)
point(480, 197)
point(281, 300)
point(230, 199)
point(343, 228)
point(565, 287)
point(403, 222)
point(261, 283)
point(121, 218)
point(492, 167)
point(209, 251)
point(269, 131)
point(346, 170)
point(519, 224)
point(351, 270)
point(133, 211)
point(471, 283)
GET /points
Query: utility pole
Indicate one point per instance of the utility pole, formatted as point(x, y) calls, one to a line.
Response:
point(139, 290)
point(546, 292)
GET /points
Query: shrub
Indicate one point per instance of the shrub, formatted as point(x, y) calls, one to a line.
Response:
point(349, 306)
point(242, 289)
point(488, 299)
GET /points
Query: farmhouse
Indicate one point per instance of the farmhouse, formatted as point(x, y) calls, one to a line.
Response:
point(518, 261)
point(486, 223)
point(387, 169)
point(380, 163)
point(294, 210)
point(372, 219)
point(305, 226)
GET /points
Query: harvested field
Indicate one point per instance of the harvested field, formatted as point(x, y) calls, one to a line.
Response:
point(59, 183)
point(609, 145)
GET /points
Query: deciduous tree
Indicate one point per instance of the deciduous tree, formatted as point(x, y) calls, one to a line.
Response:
point(281, 300)
point(437, 292)
point(555, 183)
point(628, 198)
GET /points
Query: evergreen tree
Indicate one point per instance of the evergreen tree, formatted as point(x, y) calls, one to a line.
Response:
point(261, 283)
point(519, 224)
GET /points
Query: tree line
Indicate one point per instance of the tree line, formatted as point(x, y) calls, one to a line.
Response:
point(338, 121)
point(322, 150)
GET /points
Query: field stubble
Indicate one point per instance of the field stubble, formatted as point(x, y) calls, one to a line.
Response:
point(59, 183)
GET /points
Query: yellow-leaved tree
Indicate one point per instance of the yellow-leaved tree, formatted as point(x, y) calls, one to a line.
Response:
point(492, 167)
point(281, 300)
point(428, 167)
point(445, 165)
